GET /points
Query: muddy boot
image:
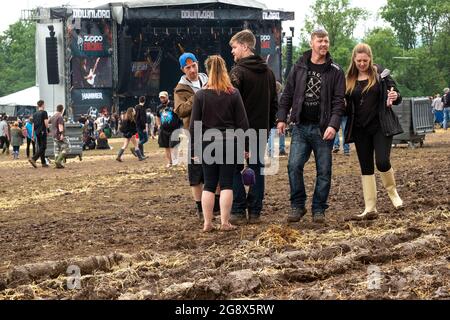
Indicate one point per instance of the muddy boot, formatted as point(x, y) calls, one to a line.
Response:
point(59, 160)
point(370, 198)
point(139, 155)
point(141, 148)
point(389, 183)
point(119, 155)
point(133, 151)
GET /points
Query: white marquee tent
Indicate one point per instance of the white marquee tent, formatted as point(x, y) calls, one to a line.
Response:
point(27, 97)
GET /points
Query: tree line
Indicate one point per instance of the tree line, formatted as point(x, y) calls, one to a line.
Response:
point(415, 47)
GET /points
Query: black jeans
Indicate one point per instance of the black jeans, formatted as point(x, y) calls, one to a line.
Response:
point(3, 142)
point(29, 141)
point(42, 145)
point(366, 143)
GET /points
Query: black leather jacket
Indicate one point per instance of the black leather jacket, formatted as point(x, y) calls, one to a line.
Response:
point(332, 94)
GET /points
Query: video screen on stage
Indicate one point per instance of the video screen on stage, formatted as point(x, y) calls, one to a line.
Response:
point(90, 38)
point(91, 72)
point(90, 101)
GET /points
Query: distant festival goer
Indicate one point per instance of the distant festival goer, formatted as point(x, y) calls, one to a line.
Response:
point(128, 129)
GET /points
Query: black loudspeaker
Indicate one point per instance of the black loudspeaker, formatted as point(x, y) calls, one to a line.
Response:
point(289, 49)
point(258, 45)
point(125, 52)
point(52, 60)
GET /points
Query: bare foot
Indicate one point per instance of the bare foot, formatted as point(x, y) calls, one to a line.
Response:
point(227, 227)
point(208, 228)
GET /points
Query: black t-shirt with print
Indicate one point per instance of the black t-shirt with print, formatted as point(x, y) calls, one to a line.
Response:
point(38, 121)
point(311, 106)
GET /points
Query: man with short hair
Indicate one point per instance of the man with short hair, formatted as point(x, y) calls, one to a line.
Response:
point(446, 110)
point(315, 91)
point(58, 135)
point(257, 85)
point(168, 122)
point(141, 124)
point(189, 84)
point(40, 126)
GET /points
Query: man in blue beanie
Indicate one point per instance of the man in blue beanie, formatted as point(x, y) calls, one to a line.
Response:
point(189, 84)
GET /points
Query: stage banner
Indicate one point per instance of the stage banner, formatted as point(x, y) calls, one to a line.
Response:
point(271, 50)
point(91, 72)
point(90, 101)
point(145, 75)
point(90, 38)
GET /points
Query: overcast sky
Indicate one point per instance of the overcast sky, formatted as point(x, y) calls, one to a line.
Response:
point(11, 12)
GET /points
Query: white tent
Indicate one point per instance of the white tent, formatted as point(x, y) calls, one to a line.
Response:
point(27, 97)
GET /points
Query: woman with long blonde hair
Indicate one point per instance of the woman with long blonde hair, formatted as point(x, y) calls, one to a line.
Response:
point(129, 130)
point(218, 106)
point(372, 123)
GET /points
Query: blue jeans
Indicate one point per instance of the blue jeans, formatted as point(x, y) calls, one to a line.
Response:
point(307, 138)
point(337, 142)
point(271, 144)
point(253, 201)
point(446, 118)
point(143, 136)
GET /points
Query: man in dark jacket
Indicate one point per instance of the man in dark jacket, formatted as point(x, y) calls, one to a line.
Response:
point(40, 126)
point(257, 85)
point(315, 91)
point(141, 124)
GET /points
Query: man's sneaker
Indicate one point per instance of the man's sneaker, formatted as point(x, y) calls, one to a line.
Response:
point(347, 154)
point(44, 165)
point(33, 163)
point(296, 214)
point(335, 150)
point(319, 217)
point(238, 218)
point(283, 153)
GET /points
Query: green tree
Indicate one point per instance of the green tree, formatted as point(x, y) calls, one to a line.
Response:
point(384, 46)
point(17, 57)
point(419, 76)
point(411, 18)
point(337, 17)
point(403, 18)
point(340, 20)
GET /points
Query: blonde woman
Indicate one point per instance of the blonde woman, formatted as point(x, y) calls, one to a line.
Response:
point(218, 106)
point(128, 129)
point(370, 94)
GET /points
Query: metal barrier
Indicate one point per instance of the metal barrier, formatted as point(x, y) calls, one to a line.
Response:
point(74, 133)
point(416, 119)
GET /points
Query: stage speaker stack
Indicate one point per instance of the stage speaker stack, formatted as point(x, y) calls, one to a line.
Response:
point(51, 46)
point(289, 49)
point(125, 47)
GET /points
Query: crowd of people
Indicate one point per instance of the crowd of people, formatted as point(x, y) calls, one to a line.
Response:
point(318, 100)
point(440, 106)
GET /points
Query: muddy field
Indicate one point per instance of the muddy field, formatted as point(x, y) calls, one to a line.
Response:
point(132, 231)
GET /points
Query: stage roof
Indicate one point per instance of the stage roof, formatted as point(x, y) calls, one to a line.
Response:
point(159, 3)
